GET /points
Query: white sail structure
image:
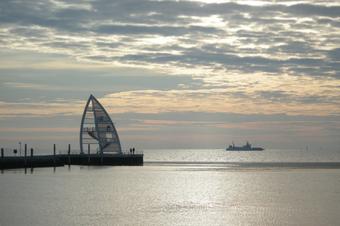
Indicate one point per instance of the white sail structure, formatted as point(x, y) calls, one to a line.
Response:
point(97, 129)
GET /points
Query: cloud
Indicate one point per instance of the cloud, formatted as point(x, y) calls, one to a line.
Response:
point(154, 30)
point(39, 129)
point(39, 109)
point(200, 100)
point(47, 85)
point(320, 10)
point(219, 100)
point(335, 54)
point(269, 38)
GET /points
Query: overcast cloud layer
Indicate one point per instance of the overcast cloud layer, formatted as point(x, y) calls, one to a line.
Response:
point(159, 57)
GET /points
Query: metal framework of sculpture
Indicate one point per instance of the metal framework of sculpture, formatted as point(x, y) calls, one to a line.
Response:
point(97, 129)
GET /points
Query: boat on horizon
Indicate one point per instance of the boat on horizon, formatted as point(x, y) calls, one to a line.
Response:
point(246, 147)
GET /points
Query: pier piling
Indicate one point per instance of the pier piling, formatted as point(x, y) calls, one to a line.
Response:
point(31, 160)
point(25, 163)
point(2, 157)
point(69, 154)
point(54, 154)
point(88, 154)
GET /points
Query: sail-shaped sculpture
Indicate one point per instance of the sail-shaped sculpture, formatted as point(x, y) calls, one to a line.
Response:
point(97, 129)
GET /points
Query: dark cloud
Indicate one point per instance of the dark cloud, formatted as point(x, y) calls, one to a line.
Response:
point(285, 97)
point(67, 45)
point(233, 61)
point(328, 21)
point(154, 30)
point(293, 47)
point(45, 13)
point(320, 10)
point(276, 26)
point(47, 85)
point(335, 54)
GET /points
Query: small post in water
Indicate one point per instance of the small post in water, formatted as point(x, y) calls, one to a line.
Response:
point(25, 156)
point(69, 154)
point(54, 154)
point(32, 157)
point(88, 154)
point(2, 157)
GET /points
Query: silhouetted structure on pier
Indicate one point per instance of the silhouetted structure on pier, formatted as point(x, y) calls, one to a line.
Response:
point(97, 129)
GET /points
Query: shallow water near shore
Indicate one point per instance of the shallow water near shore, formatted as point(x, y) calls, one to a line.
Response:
point(177, 187)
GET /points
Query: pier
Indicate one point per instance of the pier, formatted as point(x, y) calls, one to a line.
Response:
point(105, 159)
point(57, 160)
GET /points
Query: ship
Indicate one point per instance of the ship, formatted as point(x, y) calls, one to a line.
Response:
point(246, 147)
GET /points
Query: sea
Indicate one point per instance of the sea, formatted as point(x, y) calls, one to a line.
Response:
point(180, 187)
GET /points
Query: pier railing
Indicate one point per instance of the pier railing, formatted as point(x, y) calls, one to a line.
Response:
point(10, 152)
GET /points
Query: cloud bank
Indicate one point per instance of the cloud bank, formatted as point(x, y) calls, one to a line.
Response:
point(159, 57)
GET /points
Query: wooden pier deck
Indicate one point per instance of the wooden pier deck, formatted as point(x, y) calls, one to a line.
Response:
point(12, 162)
point(105, 159)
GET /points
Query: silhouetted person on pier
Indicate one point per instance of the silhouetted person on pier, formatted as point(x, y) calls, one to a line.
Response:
point(133, 150)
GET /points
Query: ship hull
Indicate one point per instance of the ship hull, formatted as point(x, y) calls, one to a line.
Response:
point(243, 149)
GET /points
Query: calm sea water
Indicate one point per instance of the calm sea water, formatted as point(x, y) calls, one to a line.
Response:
point(177, 187)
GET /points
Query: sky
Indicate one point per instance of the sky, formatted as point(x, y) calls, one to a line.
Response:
point(172, 74)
